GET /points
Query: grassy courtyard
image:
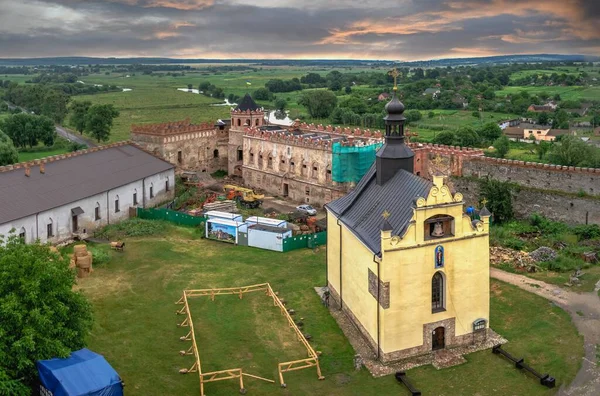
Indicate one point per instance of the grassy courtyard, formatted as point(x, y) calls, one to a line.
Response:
point(133, 296)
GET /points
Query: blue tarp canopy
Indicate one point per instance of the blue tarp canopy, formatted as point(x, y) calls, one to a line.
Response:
point(83, 373)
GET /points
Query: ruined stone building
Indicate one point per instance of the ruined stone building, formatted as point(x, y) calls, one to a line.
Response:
point(201, 147)
point(307, 163)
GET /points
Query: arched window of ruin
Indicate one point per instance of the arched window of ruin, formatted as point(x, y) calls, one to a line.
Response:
point(257, 122)
point(328, 173)
point(239, 122)
point(270, 161)
point(216, 153)
point(304, 169)
point(314, 170)
point(292, 165)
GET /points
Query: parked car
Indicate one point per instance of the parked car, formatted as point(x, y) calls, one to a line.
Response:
point(309, 210)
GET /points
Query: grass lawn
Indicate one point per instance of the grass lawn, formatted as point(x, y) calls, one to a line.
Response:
point(61, 146)
point(133, 298)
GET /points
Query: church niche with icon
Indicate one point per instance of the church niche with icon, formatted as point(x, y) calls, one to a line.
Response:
point(405, 262)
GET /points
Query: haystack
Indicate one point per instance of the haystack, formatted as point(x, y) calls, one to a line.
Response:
point(83, 260)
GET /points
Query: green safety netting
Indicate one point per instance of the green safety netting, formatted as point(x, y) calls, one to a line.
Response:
point(350, 163)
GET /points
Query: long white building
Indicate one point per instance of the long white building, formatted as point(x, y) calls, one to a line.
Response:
point(58, 197)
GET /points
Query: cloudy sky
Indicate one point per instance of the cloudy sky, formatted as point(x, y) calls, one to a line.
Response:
point(358, 29)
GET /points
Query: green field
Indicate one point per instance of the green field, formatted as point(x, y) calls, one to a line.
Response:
point(566, 93)
point(451, 120)
point(136, 329)
point(569, 70)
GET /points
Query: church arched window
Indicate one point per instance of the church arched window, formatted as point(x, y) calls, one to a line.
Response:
point(437, 292)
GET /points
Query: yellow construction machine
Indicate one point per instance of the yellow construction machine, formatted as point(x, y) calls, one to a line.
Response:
point(245, 196)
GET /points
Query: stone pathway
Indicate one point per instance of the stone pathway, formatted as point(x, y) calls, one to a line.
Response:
point(584, 309)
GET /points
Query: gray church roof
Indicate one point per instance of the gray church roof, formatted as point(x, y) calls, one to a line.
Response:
point(361, 209)
point(71, 179)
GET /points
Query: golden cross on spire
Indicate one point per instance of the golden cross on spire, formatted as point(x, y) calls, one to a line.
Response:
point(385, 214)
point(484, 201)
point(395, 73)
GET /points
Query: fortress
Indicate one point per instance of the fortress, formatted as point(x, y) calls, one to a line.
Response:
point(316, 164)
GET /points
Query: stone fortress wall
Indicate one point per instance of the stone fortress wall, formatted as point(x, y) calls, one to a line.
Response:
point(567, 194)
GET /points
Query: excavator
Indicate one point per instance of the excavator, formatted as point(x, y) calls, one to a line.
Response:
point(245, 196)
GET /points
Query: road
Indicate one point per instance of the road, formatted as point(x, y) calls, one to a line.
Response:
point(73, 137)
point(584, 309)
point(62, 131)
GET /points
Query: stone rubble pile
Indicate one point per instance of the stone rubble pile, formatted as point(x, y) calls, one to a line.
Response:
point(543, 254)
point(518, 259)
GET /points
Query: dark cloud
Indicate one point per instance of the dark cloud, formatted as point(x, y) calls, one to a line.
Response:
point(403, 29)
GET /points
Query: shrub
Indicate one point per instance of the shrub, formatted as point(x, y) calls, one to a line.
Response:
point(583, 232)
point(132, 228)
point(100, 256)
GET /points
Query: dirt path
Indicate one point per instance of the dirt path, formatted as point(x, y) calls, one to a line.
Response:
point(584, 308)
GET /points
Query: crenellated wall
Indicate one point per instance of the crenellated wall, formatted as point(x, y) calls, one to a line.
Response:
point(573, 180)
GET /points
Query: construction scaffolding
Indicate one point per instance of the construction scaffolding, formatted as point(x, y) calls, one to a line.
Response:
point(350, 163)
point(237, 373)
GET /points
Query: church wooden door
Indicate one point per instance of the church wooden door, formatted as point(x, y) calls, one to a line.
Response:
point(438, 339)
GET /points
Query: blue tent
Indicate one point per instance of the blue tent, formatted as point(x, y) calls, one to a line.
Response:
point(82, 373)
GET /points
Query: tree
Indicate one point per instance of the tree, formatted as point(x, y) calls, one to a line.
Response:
point(542, 148)
point(543, 118)
point(446, 138)
point(476, 114)
point(29, 129)
point(41, 316)
point(596, 119)
point(502, 146)
point(262, 94)
point(54, 105)
point(78, 112)
point(431, 114)
point(413, 116)
point(190, 86)
point(490, 131)
point(499, 198)
point(571, 151)
point(280, 104)
point(99, 121)
point(467, 137)
point(560, 120)
point(8, 152)
point(335, 85)
point(312, 78)
point(348, 90)
point(319, 103)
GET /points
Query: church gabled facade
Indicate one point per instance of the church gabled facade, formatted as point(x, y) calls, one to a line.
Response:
point(404, 261)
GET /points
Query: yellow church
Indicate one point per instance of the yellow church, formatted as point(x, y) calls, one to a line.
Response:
point(404, 262)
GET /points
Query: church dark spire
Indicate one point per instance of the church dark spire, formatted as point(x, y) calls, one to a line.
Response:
point(394, 154)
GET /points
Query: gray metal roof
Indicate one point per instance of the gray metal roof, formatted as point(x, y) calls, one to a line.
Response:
point(71, 179)
point(361, 210)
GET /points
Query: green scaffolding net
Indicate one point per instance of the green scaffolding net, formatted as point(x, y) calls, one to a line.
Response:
point(350, 163)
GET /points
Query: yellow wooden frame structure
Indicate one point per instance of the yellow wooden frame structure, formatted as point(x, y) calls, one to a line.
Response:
point(311, 361)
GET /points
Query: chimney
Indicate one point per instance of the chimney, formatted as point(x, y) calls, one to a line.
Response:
point(42, 167)
point(27, 170)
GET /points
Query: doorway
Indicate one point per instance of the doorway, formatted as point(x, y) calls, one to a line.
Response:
point(75, 225)
point(286, 189)
point(438, 339)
